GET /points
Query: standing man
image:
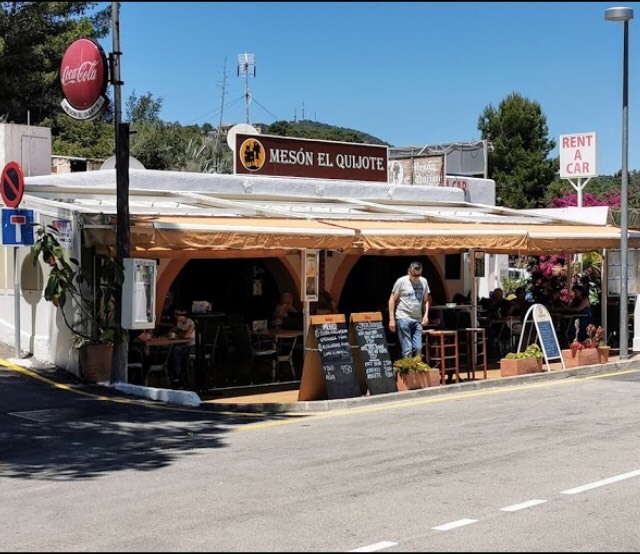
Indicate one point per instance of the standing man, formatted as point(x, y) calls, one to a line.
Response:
point(409, 310)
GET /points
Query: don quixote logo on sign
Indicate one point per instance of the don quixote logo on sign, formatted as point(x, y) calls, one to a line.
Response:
point(84, 76)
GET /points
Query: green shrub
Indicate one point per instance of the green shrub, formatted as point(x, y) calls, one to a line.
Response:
point(532, 351)
point(407, 365)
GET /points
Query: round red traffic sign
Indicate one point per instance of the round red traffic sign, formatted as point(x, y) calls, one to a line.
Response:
point(12, 184)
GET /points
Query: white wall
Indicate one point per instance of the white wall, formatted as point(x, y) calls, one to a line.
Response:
point(29, 146)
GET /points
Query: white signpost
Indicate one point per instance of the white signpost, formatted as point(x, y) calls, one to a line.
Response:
point(578, 160)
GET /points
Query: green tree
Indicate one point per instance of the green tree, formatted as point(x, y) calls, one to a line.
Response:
point(33, 39)
point(519, 163)
point(143, 108)
point(86, 139)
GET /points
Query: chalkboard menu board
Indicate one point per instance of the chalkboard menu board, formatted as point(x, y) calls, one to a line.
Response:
point(548, 338)
point(374, 352)
point(332, 339)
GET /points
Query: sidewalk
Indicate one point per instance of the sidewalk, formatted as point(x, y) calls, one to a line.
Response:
point(286, 401)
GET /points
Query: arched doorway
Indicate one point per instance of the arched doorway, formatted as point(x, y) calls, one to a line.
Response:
point(245, 287)
point(369, 283)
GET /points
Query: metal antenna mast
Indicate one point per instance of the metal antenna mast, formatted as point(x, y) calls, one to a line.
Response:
point(247, 67)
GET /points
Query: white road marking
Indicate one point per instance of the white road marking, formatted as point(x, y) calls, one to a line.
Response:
point(454, 524)
point(374, 547)
point(523, 505)
point(602, 483)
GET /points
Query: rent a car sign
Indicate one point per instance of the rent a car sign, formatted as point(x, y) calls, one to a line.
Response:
point(578, 156)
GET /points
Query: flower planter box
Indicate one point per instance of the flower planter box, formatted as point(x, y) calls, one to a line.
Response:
point(578, 358)
point(420, 380)
point(510, 367)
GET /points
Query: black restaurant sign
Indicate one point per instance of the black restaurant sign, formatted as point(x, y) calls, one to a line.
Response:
point(275, 156)
point(374, 352)
point(333, 345)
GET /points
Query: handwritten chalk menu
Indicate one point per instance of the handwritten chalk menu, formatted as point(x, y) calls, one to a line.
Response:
point(373, 352)
point(328, 370)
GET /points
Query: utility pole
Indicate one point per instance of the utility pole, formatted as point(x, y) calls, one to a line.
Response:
point(119, 361)
point(224, 89)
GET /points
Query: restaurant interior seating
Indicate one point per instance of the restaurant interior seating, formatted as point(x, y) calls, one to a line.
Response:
point(249, 353)
point(158, 372)
point(135, 365)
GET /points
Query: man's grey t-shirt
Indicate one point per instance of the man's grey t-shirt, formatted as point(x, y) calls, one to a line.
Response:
point(411, 297)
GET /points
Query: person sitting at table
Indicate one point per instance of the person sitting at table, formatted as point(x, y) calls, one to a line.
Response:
point(519, 305)
point(581, 306)
point(498, 306)
point(184, 328)
point(326, 304)
point(283, 309)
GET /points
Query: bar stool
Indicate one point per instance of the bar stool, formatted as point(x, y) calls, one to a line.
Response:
point(441, 349)
point(473, 341)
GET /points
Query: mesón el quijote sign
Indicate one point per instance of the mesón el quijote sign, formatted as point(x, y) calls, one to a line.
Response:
point(293, 157)
point(84, 76)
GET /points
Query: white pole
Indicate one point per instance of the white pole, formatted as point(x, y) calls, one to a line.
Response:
point(16, 294)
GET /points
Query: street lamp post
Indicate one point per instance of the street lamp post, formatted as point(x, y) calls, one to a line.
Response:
point(624, 15)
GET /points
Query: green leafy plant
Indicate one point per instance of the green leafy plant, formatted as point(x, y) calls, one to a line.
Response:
point(532, 351)
point(407, 365)
point(94, 297)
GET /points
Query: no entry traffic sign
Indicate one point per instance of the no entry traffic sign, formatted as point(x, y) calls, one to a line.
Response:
point(12, 184)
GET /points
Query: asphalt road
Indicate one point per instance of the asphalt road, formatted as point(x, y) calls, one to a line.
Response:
point(550, 466)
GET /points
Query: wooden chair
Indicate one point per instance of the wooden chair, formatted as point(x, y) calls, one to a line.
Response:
point(135, 365)
point(441, 348)
point(158, 372)
point(473, 350)
point(248, 353)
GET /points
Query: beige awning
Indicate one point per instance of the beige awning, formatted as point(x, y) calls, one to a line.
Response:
point(185, 235)
point(414, 237)
point(257, 237)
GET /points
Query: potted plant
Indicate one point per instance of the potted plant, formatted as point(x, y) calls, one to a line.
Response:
point(413, 373)
point(519, 363)
point(584, 352)
point(94, 326)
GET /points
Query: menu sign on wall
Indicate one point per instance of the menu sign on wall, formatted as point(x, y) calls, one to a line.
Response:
point(373, 352)
point(419, 170)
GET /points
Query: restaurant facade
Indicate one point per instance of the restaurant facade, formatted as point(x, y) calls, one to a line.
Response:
point(239, 241)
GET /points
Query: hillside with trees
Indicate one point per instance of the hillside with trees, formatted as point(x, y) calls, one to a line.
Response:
point(35, 35)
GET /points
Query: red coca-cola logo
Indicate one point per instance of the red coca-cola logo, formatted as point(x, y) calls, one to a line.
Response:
point(83, 73)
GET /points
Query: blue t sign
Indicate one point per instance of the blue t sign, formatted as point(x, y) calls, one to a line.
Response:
point(16, 230)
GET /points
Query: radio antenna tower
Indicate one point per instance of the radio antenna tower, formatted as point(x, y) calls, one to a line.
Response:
point(247, 67)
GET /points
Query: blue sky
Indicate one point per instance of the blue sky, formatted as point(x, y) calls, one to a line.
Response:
point(409, 73)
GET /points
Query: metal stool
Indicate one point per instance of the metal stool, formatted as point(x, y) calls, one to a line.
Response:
point(441, 349)
point(473, 341)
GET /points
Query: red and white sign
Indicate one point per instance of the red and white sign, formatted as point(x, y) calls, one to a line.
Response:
point(12, 184)
point(578, 156)
point(84, 76)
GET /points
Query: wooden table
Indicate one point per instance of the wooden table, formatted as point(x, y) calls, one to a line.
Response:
point(161, 341)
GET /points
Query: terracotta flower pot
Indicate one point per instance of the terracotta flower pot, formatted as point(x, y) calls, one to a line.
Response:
point(603, 353)
point(579, 358)
point(519, 366)
point(411, 381)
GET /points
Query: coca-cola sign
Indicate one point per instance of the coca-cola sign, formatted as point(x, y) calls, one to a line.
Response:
point(84, 75)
